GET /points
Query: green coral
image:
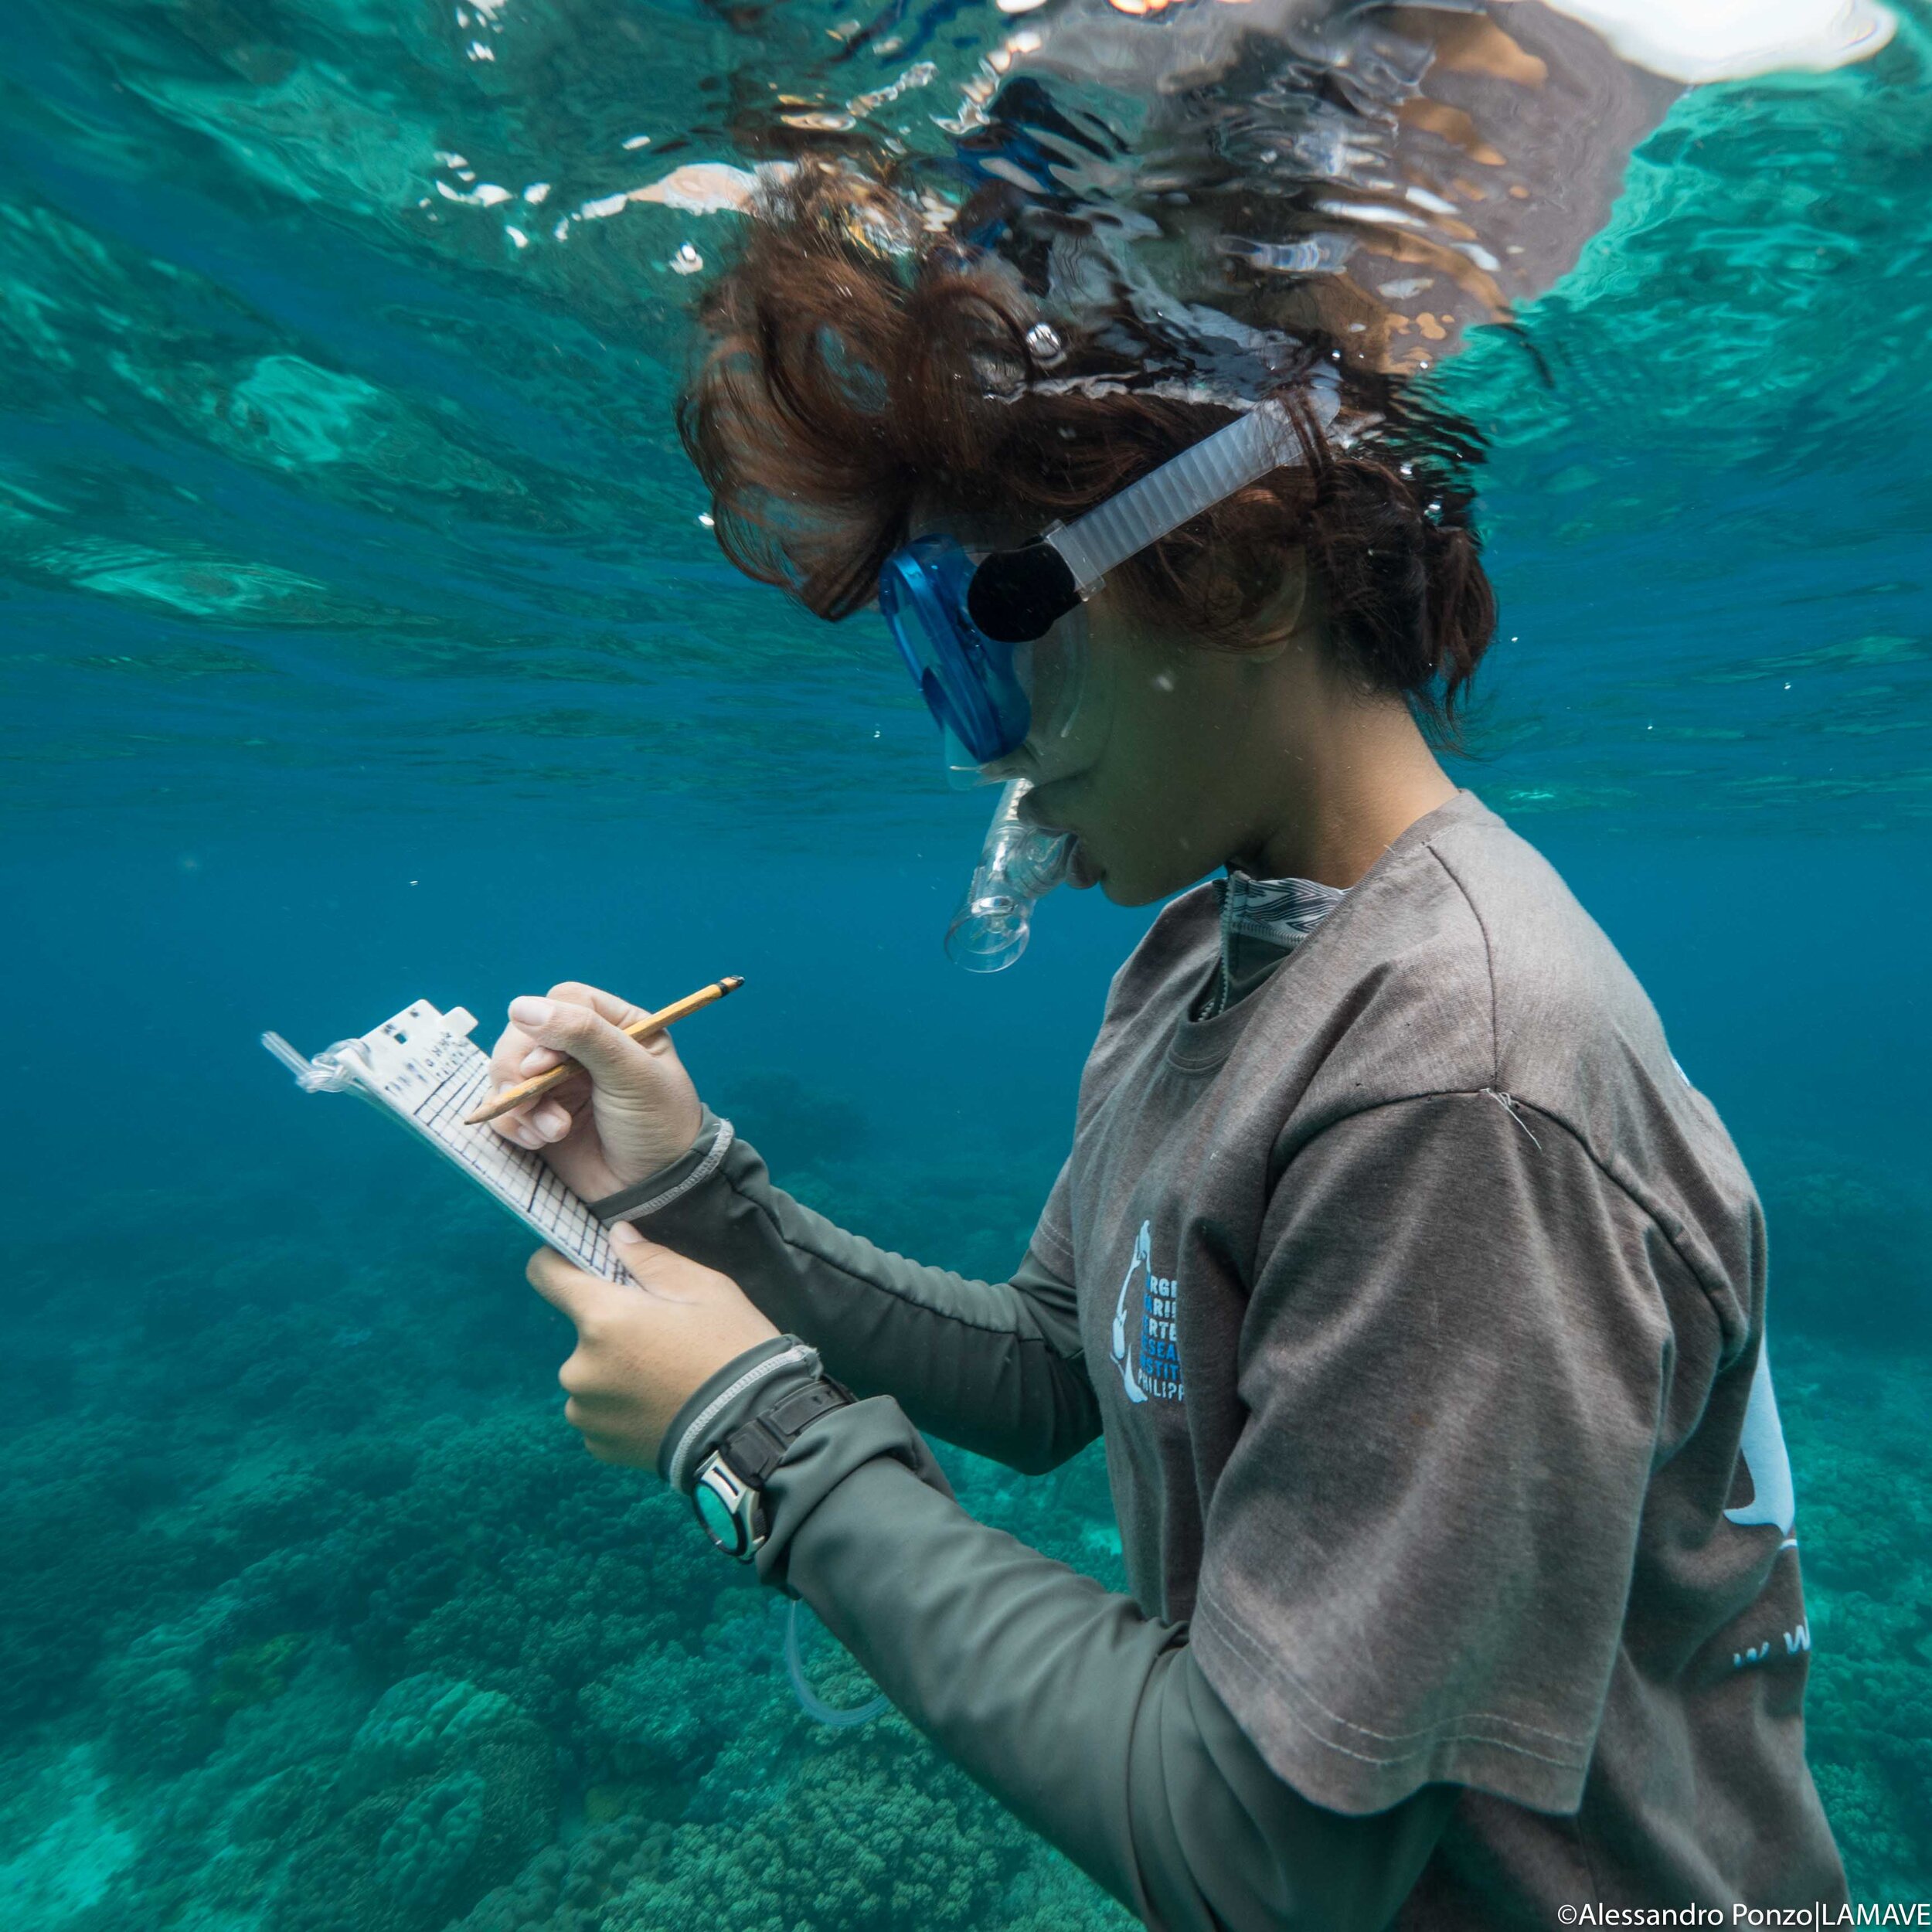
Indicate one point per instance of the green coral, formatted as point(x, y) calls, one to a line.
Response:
point(873, 1833)
point(370, 1661)
point(572, 1887)
point(445, 1792)
point(256, 1673)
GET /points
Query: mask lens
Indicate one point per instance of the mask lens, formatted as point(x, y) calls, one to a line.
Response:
point(963, 772)
point(1053, 670)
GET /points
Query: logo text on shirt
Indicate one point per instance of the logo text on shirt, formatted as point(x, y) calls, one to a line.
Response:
point(1153, 1368)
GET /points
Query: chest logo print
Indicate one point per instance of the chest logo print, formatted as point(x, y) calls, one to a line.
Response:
point(1153, 1368)
point(1761, 1448)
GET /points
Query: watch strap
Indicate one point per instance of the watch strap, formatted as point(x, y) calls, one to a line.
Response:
point(756, 1448)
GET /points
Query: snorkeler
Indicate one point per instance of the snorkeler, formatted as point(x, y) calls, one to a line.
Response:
point(1417, 1296)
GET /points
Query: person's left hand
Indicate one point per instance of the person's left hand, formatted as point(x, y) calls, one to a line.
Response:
point(642, 1351)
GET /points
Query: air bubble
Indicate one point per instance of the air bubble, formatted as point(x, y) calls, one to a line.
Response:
point(1044, 344)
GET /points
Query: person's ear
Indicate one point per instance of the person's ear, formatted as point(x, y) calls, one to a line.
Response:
point(1275, 626)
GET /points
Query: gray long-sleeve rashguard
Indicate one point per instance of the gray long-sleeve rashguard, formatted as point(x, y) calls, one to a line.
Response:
point(1420, 1301)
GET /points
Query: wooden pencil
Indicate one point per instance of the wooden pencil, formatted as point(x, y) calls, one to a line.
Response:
point(644, 1023)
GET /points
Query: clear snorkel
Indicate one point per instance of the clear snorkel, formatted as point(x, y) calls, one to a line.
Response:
point(1018, 864)
point(958, 624)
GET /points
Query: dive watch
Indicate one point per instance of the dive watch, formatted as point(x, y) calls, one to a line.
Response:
point(728, 1491)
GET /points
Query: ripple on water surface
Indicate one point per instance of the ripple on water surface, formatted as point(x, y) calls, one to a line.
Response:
point(337, 458)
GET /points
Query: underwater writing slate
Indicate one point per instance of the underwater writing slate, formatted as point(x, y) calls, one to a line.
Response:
point(422, 1068)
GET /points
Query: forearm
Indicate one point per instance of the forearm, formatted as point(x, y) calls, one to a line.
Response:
point(1089, 1721)
point(992, 1366)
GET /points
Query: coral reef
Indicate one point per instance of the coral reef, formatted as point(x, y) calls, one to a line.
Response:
point(1856, 1428)
point(444, 1792)
point(317, 1619)
point(338, 1629)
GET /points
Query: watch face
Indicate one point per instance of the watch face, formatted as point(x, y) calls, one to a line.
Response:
point(719, 1524)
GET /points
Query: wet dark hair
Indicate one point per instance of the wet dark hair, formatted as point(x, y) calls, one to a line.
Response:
point(855, 367)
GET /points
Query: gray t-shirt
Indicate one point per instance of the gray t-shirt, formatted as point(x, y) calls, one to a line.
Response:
point(1425, 1299)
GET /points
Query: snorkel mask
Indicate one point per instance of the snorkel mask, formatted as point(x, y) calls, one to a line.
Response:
point(963, 621)
point(966, 625)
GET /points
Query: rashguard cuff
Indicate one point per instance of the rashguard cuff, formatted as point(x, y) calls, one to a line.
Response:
point(835, 1448)
point(729, 1397)
point(690, 1171)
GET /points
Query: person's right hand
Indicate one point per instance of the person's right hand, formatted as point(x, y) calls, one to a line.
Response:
point(631, 1111)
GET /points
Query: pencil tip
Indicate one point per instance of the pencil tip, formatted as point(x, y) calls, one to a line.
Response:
point(732, 981)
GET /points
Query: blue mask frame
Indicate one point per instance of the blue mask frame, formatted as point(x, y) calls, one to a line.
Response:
point(967, 679)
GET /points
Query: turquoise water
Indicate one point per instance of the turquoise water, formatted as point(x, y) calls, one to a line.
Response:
point(363, 642)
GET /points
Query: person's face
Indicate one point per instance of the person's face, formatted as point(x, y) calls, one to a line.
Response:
point(1151, 775)
point(1144, 744)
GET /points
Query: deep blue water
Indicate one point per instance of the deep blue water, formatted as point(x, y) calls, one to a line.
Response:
point(361, 642)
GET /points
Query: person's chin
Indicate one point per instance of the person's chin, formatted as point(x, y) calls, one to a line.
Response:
point(1145, 884)
point(1086, 868)
point(1118, 888)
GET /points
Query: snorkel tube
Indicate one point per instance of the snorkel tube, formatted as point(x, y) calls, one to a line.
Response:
point(1018, 864)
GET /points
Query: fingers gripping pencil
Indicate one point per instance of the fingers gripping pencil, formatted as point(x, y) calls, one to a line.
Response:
point(639, 1029)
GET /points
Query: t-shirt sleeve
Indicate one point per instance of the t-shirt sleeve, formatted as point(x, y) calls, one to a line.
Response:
point(1052, 1240)
point(1454, 1361)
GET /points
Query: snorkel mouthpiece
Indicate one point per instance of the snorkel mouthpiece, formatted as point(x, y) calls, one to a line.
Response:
point(1018, 864)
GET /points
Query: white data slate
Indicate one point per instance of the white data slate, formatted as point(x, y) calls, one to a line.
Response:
point(422, 1068)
